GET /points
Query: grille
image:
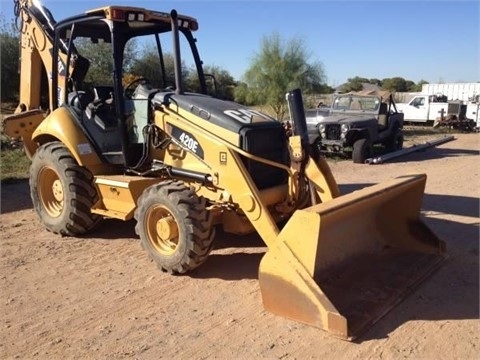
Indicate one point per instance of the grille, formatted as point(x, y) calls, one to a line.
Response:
point(332, 131)
point(269, 143)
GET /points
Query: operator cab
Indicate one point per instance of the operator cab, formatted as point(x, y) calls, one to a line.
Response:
point(107, 88)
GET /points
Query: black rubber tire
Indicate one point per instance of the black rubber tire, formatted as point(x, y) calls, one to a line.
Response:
point(62, 191)
point(362, 150)
point(190, 234)
point(395, 142)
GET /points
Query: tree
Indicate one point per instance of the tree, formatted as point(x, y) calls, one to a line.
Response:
point(398, 84)
point(395, 84)
point(101, 59)
point(147, 65)
point(278, 68)
point(222, 84)
point(9, 50)
point(242, 94)
point(417, 87)
point(354, 84)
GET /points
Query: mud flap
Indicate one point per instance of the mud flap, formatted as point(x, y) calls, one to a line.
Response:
point(343, 264)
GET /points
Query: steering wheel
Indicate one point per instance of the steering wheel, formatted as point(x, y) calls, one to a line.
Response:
point(128, 91)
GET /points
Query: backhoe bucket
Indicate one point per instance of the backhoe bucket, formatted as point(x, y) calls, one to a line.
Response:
point(343, 264)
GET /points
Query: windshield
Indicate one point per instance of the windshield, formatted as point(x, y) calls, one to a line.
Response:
point(356, 103)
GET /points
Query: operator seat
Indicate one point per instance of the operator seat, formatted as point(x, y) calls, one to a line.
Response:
point(101, 109)
point(103, 92)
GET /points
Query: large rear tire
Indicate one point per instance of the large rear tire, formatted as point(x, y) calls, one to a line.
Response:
point(174, 226)
point(362, 150)
point(62, 191)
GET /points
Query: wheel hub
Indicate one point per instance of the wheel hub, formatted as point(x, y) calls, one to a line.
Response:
point(50, 191)
point(167, 228)
point(57, 189)
point(162, 230)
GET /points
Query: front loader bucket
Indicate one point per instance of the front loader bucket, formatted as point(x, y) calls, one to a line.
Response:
point(343, 264)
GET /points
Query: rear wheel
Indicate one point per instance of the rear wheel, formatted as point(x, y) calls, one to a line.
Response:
point(174, 226)
point(62, 191)
point(362, 150)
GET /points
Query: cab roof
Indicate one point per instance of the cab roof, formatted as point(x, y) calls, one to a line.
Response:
point(136, 21)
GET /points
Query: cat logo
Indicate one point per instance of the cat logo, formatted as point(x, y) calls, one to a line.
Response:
point(223, 158)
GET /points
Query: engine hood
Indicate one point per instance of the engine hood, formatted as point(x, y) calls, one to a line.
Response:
point(314, 116)
point(227, 114)
point(346, 118)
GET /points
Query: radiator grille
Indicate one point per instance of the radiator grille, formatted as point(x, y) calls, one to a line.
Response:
point(268, 142)
point(332, 131)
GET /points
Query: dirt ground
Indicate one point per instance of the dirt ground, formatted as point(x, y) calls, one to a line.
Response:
point(99, 297)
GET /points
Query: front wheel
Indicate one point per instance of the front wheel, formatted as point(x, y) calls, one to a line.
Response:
point(174, 226)
point(362, 150)
point(62, 191)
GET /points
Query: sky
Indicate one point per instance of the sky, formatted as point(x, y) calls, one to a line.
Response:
point(436, 41)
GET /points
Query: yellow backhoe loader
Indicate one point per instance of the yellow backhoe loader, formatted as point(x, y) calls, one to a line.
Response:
point(183, 162)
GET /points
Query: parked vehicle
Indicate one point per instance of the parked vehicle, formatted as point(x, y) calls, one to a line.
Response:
point(433, 109)
point(354, 123)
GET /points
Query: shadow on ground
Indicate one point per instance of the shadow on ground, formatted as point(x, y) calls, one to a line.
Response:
point(432, 153)
point(15, 196)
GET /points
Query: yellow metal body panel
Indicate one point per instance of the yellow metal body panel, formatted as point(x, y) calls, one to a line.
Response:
point(119, 195)
point(59, 125)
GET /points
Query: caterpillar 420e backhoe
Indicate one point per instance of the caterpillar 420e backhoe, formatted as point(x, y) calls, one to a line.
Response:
point(182, 162)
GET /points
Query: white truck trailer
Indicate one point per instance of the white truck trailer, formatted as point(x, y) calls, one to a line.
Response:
point(467, 92)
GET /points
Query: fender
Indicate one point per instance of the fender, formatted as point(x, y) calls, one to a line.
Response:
point(61, 126)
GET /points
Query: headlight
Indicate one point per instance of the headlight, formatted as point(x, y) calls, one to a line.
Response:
point(321, 128)
point(344, 128)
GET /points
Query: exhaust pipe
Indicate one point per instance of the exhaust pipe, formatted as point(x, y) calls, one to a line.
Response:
point(297, 114)
point(177, 61)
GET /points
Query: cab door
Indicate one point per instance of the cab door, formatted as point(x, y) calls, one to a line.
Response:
point(417, 109)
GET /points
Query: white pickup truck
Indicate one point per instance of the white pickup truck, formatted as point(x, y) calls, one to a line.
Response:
point(428, 108)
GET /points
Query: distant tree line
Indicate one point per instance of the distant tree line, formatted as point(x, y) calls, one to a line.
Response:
point(395, 84)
